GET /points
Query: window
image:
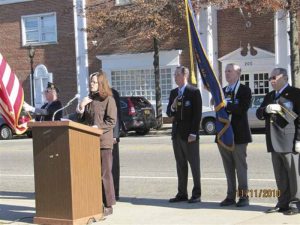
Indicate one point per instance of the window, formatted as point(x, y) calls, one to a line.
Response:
point(261, 83)
point(245, 79)
point(141, 82)
point(123, 2)
point(39, 29)
point(258, 82)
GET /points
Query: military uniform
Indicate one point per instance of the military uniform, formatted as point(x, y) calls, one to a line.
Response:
point(282, 131)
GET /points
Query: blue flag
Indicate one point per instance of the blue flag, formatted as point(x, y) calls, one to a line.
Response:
point(224, 130)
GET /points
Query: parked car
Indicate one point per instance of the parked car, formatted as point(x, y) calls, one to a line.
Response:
point(137, 114)
point(209, 117)
point(6, 132)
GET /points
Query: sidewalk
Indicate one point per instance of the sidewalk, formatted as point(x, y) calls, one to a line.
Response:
point(159, 211)
point(137, 211)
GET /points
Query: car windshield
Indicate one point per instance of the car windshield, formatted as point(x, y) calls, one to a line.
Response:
point(257, 100)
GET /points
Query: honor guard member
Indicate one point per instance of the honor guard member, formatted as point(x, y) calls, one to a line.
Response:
point(185, 107)
point(238, 100)
point(45, 113)
point(281, 109)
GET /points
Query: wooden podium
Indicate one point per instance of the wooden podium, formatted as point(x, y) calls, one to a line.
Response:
point(67, 172)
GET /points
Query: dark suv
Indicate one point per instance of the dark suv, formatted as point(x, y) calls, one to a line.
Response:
point(137, 114)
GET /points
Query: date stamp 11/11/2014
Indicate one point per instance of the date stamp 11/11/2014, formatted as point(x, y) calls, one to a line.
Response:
point(259, 193)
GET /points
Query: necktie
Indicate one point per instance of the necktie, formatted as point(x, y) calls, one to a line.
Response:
point(229, 93)
point(179, 93)
point(229, 89)
point(277, 95)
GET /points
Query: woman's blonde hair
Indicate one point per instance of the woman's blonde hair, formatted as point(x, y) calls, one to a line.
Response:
point(103, 84)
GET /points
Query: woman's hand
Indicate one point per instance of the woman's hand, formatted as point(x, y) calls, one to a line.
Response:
point(80, 108)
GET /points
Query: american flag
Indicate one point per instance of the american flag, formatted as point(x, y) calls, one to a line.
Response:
point(11, 97)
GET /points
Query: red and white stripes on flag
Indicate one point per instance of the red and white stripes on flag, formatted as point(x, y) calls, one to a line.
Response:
point(11, 97)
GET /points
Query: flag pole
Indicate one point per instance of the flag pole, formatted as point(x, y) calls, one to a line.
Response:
point(193, 77)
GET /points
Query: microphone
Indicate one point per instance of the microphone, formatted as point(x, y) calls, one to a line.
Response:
point(68, 103)
point(75, 97)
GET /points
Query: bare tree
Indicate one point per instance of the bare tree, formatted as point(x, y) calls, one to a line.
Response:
point(138, 26)
point(291, 7)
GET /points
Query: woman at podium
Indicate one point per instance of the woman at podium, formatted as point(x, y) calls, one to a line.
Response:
point(99, 109)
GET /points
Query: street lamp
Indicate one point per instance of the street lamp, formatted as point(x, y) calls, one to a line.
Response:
point(31, 52)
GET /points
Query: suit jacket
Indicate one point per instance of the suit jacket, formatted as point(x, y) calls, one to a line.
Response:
point(281, 138)
point(239, 119)
point(187, 116)
point(46, 112)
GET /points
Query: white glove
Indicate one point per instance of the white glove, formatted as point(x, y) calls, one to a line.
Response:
point(28, 108)
point(297, 146)
point(273, 108)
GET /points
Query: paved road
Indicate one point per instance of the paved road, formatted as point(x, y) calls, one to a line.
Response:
point(148, 168)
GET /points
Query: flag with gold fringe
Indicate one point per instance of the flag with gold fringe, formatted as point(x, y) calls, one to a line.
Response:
point(224, 130)
point(11, 97)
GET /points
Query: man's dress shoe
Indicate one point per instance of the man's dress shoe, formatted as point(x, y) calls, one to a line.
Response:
point(227, 202)
point(243, 201)
point(277, 209)
point(291, 212)
point(194, 199)
point(178, 199)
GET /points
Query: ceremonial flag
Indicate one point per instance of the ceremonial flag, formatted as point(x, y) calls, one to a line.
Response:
point(11, 97)
point(224, 130)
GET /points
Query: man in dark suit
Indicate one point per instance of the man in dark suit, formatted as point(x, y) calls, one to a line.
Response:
point(45, 113)
point(237, 101)
point(185, 107)
point(115, 151)
point(281, 109)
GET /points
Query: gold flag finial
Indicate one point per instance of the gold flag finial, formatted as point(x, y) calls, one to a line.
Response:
point(192, 69)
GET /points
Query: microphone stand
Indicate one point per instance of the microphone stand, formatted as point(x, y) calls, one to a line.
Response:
point(68, 104)
point(54, 114)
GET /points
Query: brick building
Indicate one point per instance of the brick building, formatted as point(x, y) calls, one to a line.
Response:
point(49, 27)
point(64, 55)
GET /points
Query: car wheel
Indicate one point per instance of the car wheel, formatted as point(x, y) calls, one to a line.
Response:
point(29, 134)
point(209, 126)
point(5, 133)
point(142, 132)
